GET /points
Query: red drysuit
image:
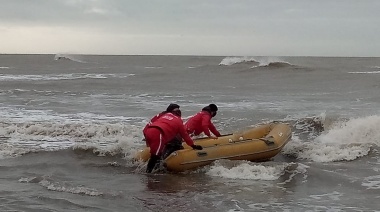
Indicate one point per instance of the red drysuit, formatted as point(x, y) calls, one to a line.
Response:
point(163, 130)
point(153, 120)
point(201, 122)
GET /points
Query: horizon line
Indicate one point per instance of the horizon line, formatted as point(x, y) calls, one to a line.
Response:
point(187, 55)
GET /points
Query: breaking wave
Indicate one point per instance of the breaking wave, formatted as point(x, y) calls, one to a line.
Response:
point(228, 61)
point(343, 140)
point(255, 62)
point(22, 132)
point(318, 139)
point(69, 57)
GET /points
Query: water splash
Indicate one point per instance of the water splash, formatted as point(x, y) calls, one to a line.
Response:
point(345, 140)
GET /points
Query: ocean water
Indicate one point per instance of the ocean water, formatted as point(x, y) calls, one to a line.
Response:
point(70, 126)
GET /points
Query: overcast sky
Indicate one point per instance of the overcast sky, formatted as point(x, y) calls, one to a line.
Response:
point(192, 27)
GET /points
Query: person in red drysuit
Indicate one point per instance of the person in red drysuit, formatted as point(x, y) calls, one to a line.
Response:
point(173, 145)
point(163, 130)
point(169, 109)
point(201, 122)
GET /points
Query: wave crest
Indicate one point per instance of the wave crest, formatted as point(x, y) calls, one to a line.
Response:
point(69, 57)
point(344, 140)
point(61, 187)
point(57, 77)
point(256, 62)
point(236, 60)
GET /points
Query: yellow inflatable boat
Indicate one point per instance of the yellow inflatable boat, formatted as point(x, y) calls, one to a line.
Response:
point(258, 143)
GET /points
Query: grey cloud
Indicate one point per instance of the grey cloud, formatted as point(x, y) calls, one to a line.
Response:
point(211, 13)
point(262, 21)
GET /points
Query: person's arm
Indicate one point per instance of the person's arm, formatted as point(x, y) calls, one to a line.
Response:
point(186, 137)
point(206, 124)
point(206, 120)
point(214, 130)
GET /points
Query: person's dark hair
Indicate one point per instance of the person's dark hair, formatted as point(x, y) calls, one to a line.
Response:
point(211, 108)
point(171, 107)
point(177, 112)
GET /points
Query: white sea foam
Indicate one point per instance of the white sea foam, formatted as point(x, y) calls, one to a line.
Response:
point(266, 61)
point(23, 131)
point(153, 67)
point(365, 72)
point(61, 187)
point(372, 182)
point(247, 170)
point(301, 169)
point(260, 61)
point(72, 57)
point(274, 205)
point(335, 196)
point(235, 60)
point(48, 136)
point(364, 130)
point(4, 67)
point(9, 151)
point(54, 77)
point(345, 140)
